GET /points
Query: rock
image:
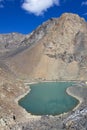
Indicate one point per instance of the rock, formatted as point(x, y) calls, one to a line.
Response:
point(52, 50)
point(10, 41)
point(56, 50)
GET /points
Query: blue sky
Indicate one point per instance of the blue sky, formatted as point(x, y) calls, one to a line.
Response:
point(24, 16)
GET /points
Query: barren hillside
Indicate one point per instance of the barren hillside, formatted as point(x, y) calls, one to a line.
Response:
point(55, 50)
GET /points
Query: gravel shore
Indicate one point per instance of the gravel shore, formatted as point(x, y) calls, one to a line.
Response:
point(63, 121)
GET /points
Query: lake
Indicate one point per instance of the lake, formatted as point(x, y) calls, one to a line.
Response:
point(48, 98)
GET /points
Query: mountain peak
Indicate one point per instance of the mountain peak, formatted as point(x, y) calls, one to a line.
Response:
point(52, 50)
point(71, 16)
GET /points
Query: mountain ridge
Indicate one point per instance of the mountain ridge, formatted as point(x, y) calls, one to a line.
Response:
point(53, 49)
point(56, 51)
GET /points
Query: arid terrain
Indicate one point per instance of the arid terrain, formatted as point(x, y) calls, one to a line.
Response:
point(55, 51)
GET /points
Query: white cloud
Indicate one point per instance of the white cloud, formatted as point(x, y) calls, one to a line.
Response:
point(84, 3)
point(38, 7)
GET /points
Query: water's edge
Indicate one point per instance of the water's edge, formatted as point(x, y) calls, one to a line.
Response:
point(68, 91)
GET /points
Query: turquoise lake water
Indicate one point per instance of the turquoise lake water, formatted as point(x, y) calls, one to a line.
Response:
point(49, 98)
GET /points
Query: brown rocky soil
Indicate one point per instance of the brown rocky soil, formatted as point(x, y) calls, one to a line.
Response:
point(60, 54)
point(56, 50)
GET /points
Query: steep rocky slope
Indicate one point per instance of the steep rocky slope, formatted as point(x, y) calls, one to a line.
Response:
point(10, 41)
point(10, 89)
point(56, 50)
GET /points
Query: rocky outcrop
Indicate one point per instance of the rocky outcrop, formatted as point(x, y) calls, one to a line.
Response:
point(14, 43)
point(39, 33)
point(10, 41)
point(56, 50)
point(77, 119)
point(10, 89)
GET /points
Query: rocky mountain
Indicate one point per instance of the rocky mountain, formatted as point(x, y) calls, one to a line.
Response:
point(56, 50)
point(10, 41)
point(13, 43)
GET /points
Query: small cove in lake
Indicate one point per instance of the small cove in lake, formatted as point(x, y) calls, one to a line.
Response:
point(48, 98)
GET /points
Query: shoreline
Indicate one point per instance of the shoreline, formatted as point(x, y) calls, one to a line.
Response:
point(27, 114)
point(68, 91)
point(22, 95)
